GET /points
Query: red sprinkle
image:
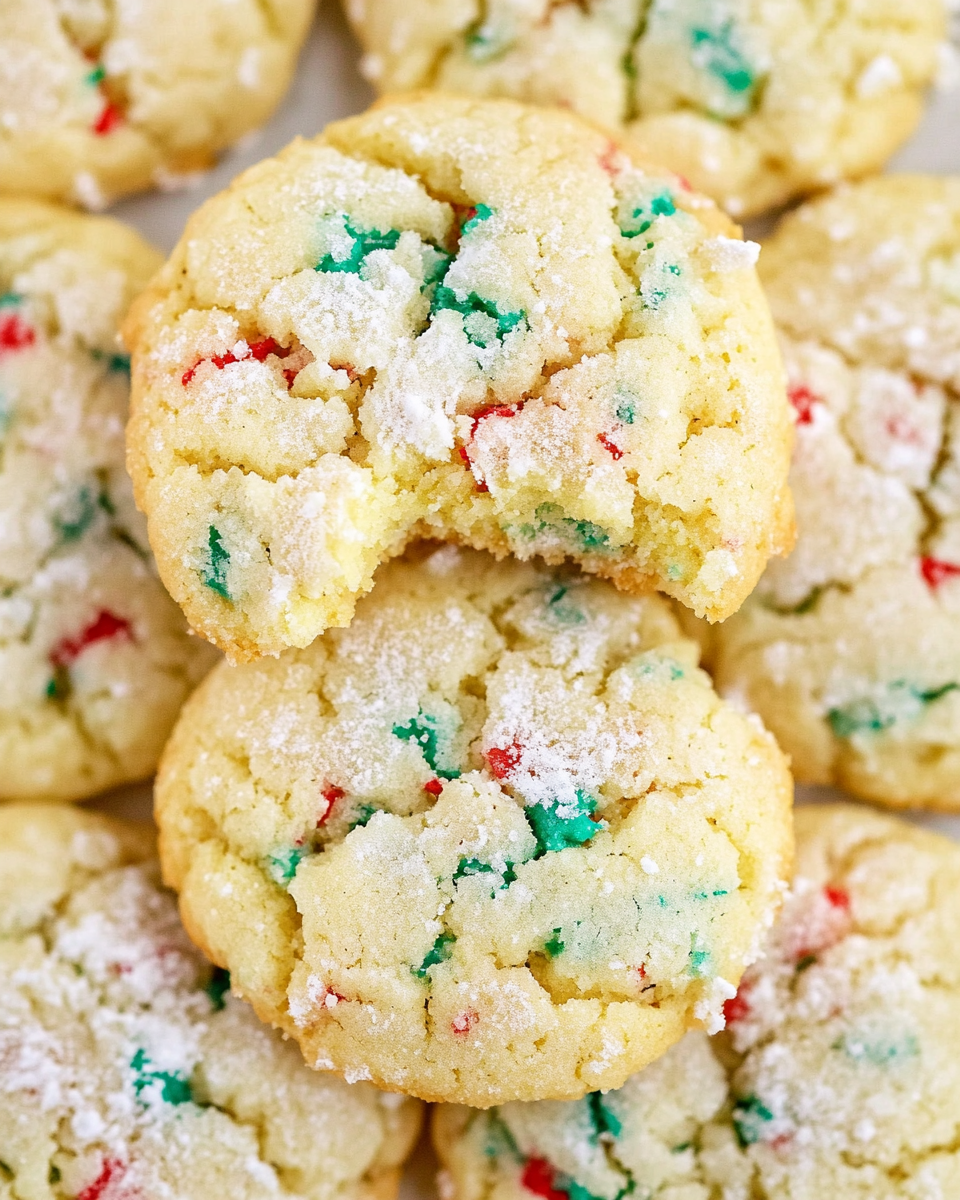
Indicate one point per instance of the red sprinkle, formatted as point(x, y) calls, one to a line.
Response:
point(331, 793)
point(109, 119)
point(781, 1141)
point(608, 159)
point(935, 571)
point(106, 625)
point(613, 448)
point(433, 786)
point(112, 1171)
point(737, 1008)
point(803, 401)
point(838, 897)
point(684, 183)
point(463, 1022)
point(537, 1177)
point(15, 333)
point(504, 760)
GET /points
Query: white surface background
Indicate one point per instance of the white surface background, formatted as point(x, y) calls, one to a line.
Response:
point(327, 86)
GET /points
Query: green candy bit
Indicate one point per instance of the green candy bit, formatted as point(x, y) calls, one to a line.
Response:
point(217, 987)
point(589, 535)
point(602, 1118)
point(750, 1115)
point(10, 299)
point(866, 715)
point(364, 813)
point(97, 75)
point(626, 409)
point(440, 951)
point(282, 864)
point(554, 944)
point(214, 574)
point(879, 1053)
point(59, 686)
point(707, 895)
point(436, 263)
point(699, 958)
point(563, 610)
point(119, 363)
point(500, 1140)
point(363, 242)
point(481, 213)
point(714, 50)
point(423, 730)
point(661, 205)
point(174, 1087)
point(560, 827)
point(78, 518)
point(468, 867)
point(483, 322)
point(482, 43)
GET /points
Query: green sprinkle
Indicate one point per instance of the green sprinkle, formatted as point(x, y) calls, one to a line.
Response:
point(217, 987)
point(680, 1149)
point(78, 517)
point(174, 1087)
point(481, 213)
point(282, 864)
point(97, 75)
point(559, 826)
point(807, 961)
point(363, 242)
point(879, 1053)
point(441, 950)
point(707, 895)
point(119, 363)
point(661, 205)
point(10, 299)
point(602, 1118)
point(483, 322)
point(590, 536)
point(214, 574)
point(562, 610)
point(902, 701)
point(749, 1118)
point(554, 944)
point(58, 687)
point(423, 729)
point(625, 410)
point(714, 51)
point(699, 958)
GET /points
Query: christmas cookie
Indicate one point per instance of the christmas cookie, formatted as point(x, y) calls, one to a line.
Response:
point(838, 1074)
point(128, 1069)
point(473, 319)
point(497, 840)
point(752, 101)
point(105, 97)
point(95, 659)
point(850, 650)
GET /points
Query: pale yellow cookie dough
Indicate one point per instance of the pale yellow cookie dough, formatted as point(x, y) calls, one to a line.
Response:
point(128, 1070)
point(499, 839)
point(471, 318)
point(95, 658)
point(839, 1076)
point(754, 102)
point(99, 98)
point(850, 649)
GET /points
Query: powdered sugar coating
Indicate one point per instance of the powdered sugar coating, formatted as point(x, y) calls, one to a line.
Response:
point(95, 659)
point(127, 1069)
point(850, 649)
point(472, 318)
point(753, 102)
point(99, 98)
point(423, 845)
point(837, 1075)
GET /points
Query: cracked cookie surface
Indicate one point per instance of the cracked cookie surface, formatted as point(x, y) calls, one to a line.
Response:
point(106, 97)
point(850, 649)
point(127, 1067)
point(837, 1074)
point(498, 839)
point(469, 319)
point(753, 102)
point(95, 659)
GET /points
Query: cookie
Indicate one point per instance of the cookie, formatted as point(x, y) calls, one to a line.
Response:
point(755, 103)
point(850, 649)
point(497, 840)
point(837, 1076)
point(106, 97)
point(476, 320)
point(127, 1067)
point(95, 659)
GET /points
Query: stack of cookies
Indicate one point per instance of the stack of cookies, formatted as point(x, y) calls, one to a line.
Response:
point(547, 535)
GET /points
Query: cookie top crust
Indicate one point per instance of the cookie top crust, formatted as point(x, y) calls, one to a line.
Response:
point(127, 1067)
point(850, 649)
point(474, 319)
point(755, 103)
point(837, 1074)
point(497, 840)
point(106, 97)
point(95, 659)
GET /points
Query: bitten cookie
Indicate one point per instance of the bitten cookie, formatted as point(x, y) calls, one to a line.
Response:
point(95, 659)
point(106, 97)
point(499, 839)
point(474, 319)
point(838, 1077)
point(850, 649)
point(754, 102)
point(128, 1071)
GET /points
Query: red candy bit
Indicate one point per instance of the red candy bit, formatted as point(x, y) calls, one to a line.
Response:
point(935, 571)
point(537, 1177)
point(260, 350)
point(608, 160)
point(803, 400)
point(111, 1175)
point(109, 119)
point(105, 626)
point(901, 429)
point(504, 760)
point(433, 786)
point(684, 183)
point(492, 410)
point(331, 793)
point(837, 897)
point(737, 1008)
point(330, 998)
point(256, 350)
point(612, 447)
point(15, 334)
point(781, 1141)
point(463, 1022)
point(352, 373)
